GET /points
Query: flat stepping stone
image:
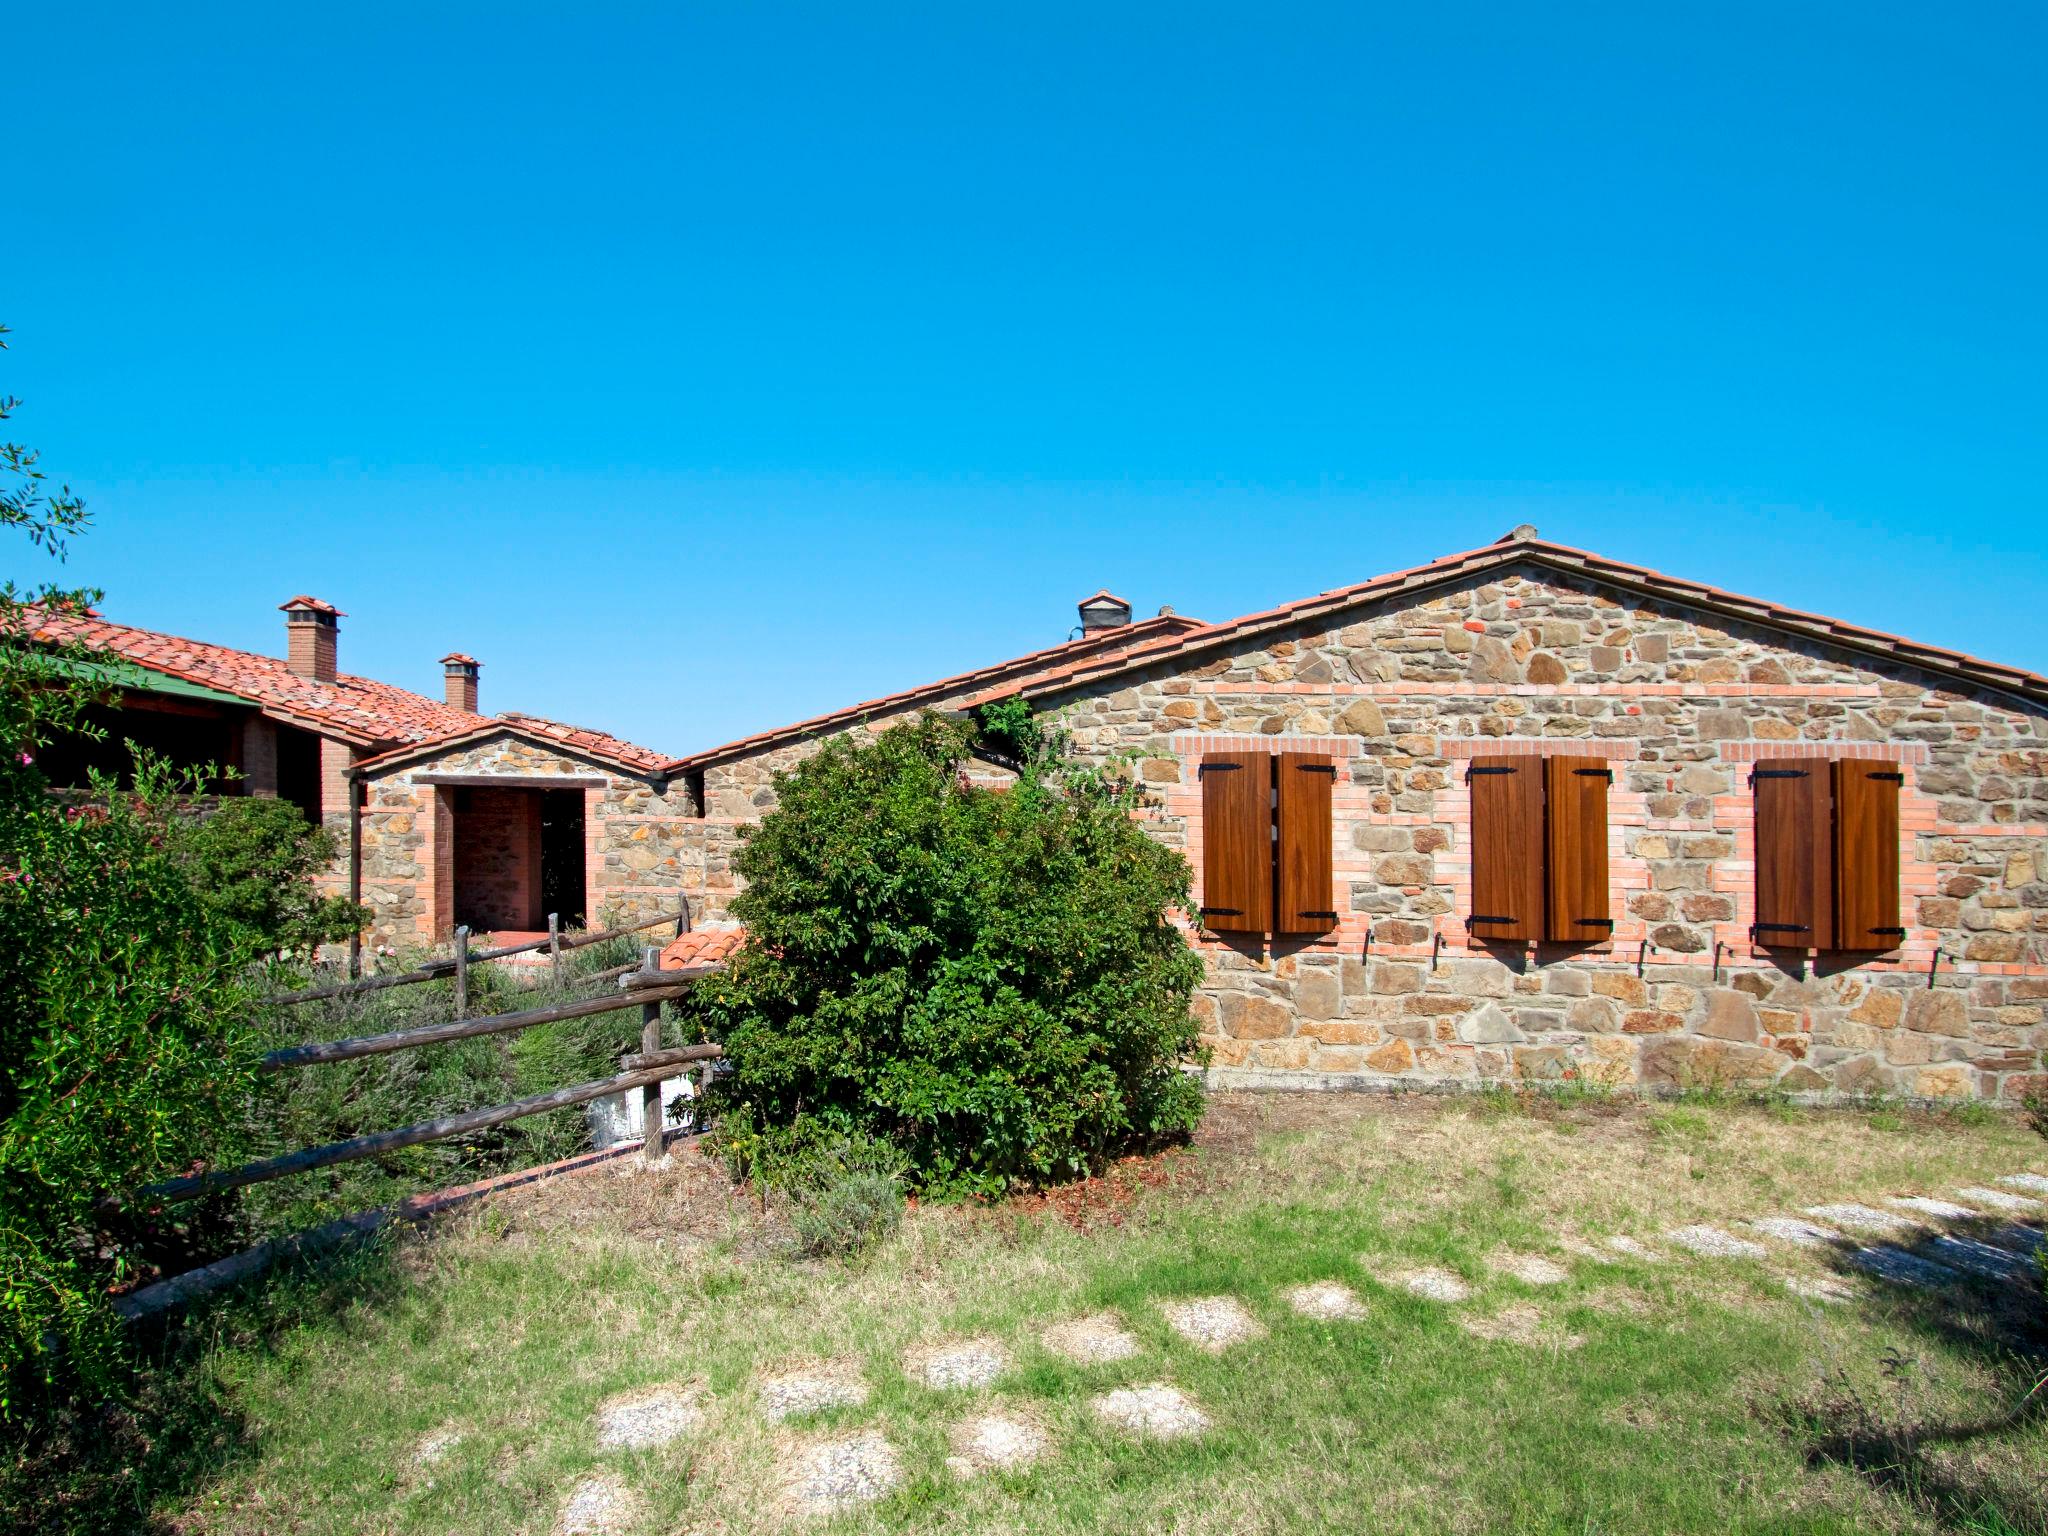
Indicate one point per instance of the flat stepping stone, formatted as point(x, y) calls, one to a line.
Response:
point(970, 1365)
point(1520, 1324)
point(1434, 1285)
point(598, 1506)
point(1859, 1218)
point(1790, 1229)
point(833, 1475)
point(796, 1393)
point(995, 1442)
point(1327, 1301)
point(1926, 1205)
point(1095, 1340)
point(1155, 1411)
point(435, 1447)
point(1213, 1323)
point(1714, 1243)
point(1902, 1268)
point(652, 1416)
point(1635, 1248)
point(1977, 1257)
point(1999, 1199)
point(1530, 1268)
point(1822, 1288)
point(2037, 1182)
point(2020, 1238)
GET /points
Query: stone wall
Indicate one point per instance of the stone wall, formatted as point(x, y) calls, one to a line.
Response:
point(643, 842)
point(1404, 693)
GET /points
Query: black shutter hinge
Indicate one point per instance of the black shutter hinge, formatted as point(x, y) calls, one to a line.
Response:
point(1473, 773)
point(1594, 922)
point(1476, 918)
point(1756, 928)
point(1217, 768)
point(1595, 773)
point(1895, 933)
point(1316, 768)
point(1330, 915)
point(1889, 778)
point(1776, 773)
point(1223, 912)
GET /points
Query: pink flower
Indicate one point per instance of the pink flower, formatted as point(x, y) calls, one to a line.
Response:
point(24, 759)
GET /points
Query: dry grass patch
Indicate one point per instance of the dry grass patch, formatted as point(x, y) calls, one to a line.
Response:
point(1096, 1340)
point(1213, 1323)
point(1154, 1411)
point(828, 1476)
point(1008, 1440)
point(815, 1387)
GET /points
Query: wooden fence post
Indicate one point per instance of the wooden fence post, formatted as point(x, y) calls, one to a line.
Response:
point(555, 945)
point(683, 918)
point(650, 1096)
point(461, 972)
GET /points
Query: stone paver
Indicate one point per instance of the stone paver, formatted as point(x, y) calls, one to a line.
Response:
point(1635, 1248)
point(833, 1475)
point(1095, 1340)
point(2036, 1182)
point(1327, 1301)
point(598, 1506)
point(1980, 1258)
point(1520, 1324)
point(1213, 1323)
point(652, 1416)
point(1790, 1229)
point(1859, 1218)
point(995, 1442)
point(1901, 1267)
point(1155, 1410)
point(2000, 1199)
point(435, 1446)
point(1926, 1205)
point(971, 1364)
point(1434, 1284)
point(813, 1390)
point(2019, 1237)
point(1531, 1268)
point(1715, 1243)
point(1825, 1288)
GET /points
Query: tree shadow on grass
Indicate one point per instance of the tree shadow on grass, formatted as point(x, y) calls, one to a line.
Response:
point(1978, 1468)
point(130, 1464)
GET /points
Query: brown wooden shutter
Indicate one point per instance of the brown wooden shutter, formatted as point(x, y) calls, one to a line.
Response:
point(1579, 909)
point(1303, 849)
point(1507, 848)
point(1867, 855)
point(1237, 841)
point(1795, 894)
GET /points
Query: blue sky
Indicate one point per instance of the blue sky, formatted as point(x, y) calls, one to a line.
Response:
point(699, 368)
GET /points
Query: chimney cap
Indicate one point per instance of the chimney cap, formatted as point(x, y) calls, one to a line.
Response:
point(1103, 610)
point(304, 604)
point(457, 659)
point(1103, 595)
point(1521, 533)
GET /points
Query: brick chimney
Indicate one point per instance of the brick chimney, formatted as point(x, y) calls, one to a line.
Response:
point(1103, 611)
point(458, 680)
point(310, 631)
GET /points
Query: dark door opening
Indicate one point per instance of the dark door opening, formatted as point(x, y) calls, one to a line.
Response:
point(561, 856)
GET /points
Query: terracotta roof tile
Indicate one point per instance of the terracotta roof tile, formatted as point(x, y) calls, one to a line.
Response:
point(1510, 551)
point(1099, 644)
point(703, 946)
point(360, 710)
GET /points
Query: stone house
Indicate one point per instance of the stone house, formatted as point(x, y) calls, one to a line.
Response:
point(442, 815)
point(1527, 813)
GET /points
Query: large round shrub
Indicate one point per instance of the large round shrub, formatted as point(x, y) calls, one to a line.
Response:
point(987, 978)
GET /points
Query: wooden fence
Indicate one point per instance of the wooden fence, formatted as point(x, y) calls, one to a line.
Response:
point(458, 963)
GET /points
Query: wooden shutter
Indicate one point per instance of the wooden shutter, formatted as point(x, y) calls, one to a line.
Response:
point(1303, 848)
point(1579, 909)
point(1795, 894)
point(1237, 841)
point(1867, 855)
point(1507, 848)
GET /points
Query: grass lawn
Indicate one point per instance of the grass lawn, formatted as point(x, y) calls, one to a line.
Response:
point(1671, 1392)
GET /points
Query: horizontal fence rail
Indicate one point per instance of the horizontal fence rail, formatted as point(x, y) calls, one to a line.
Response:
point(435, 970)
point(193, 1186)
point(646, 989)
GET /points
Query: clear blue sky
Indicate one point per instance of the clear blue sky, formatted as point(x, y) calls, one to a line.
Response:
point(699, 368)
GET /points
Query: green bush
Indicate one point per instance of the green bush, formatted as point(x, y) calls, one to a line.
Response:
point(253, 860)
point(125, 1055)
point(989, 980)
point(845, 1216)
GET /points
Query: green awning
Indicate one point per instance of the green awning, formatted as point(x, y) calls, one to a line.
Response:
point(136, 678)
